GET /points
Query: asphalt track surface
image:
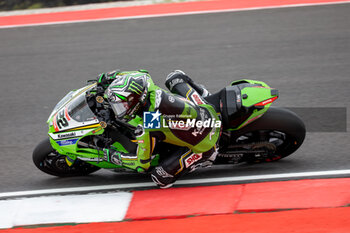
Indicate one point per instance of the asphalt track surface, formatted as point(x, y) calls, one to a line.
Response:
point(302, 51)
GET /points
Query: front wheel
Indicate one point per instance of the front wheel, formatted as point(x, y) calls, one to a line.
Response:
point(49, 161)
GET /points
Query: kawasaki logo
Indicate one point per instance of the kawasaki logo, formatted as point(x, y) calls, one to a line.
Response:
point(66, 135)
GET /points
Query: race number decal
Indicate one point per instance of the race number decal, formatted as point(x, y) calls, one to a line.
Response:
point(61, 120)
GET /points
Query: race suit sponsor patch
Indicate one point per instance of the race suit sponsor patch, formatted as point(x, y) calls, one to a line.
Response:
point(158, 99)
point(196, 99)
point(67, 142)
point(175, 82)
point(192, 159)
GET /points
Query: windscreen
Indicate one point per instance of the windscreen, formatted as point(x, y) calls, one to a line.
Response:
point(79, 110)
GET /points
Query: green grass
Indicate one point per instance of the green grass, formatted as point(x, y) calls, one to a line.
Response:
point(36, 6)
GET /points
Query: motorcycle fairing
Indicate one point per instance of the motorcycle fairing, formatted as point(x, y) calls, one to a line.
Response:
point(72, 117)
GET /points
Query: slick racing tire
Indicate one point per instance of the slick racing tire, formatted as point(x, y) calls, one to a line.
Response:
point(278, 128)
point(49, 161)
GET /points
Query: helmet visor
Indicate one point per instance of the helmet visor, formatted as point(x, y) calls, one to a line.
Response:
point(118, 103)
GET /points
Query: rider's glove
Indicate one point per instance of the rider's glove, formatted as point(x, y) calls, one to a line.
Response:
point(105, 79)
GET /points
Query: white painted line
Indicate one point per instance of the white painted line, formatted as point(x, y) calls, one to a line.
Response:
point(266, 177)
point(65, 209)
point(76, 189)
point(177, 14)
point(180, 182)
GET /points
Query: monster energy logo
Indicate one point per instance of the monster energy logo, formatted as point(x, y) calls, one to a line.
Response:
point(135, 87)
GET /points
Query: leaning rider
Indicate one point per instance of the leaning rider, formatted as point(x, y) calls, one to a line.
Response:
point(133, 93)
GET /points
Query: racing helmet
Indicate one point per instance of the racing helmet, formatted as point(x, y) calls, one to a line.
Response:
point(126, 94)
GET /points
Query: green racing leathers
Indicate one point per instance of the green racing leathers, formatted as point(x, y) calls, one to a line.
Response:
point(185, 121)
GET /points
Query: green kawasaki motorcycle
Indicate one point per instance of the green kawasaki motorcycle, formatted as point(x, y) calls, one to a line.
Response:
point(252, 131)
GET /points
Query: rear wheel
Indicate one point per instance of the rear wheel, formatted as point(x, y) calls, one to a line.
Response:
point(49, 161)
point(277, 134)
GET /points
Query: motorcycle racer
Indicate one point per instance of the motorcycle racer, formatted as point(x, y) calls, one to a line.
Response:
point(163, 116)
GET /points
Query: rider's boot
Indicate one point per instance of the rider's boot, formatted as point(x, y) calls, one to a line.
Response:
point(179, 163)
point(212, 153)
